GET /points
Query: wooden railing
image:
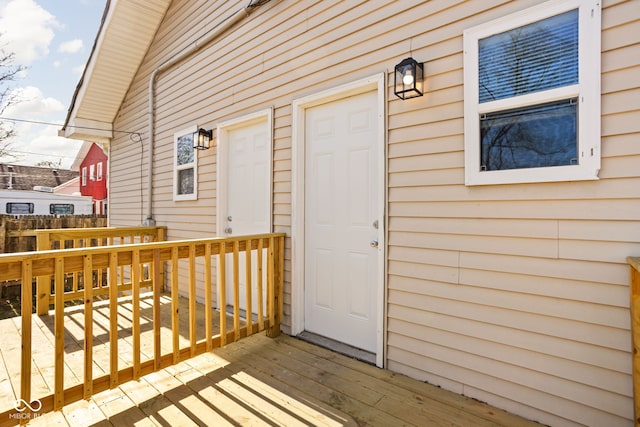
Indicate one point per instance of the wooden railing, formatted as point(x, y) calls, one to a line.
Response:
point(68, 238)
point(634, 287)
point(233, 256)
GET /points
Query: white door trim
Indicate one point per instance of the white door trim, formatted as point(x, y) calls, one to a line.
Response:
point(299, 106)
point(222, 139)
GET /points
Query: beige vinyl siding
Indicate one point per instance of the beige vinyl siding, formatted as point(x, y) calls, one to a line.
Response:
point(206, 94)
point(512, 294)
point(521, 286)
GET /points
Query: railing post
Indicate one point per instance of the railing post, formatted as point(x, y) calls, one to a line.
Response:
point(208, 300)
point(113, 320)
point(25, 311)
point(634, 288)
point(276, 254)
point(157, 289)
point(3, 233)
point(192, 299)
point(222, 303)
point(161, 236)
point(87, 269)
point(58, 389)
point(43, 283)
point(175, 306)
point(135, 307)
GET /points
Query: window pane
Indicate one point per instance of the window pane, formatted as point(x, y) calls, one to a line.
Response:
point(531, 137)
point(185, 153)
point(539, 56)
point(19, 208)
point(61, 209)
point(185, 181)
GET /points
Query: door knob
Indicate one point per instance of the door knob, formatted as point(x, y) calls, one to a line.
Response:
point(374, 243)
point(228, 230)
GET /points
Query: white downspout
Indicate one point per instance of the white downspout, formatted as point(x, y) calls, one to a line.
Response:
point(180, 56)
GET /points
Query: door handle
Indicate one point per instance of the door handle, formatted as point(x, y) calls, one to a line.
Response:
point(228, 230)
point(374, 243)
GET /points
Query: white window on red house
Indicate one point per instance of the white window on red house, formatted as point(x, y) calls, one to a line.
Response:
point(84, 176)
point(99, 171)
point(92, 172)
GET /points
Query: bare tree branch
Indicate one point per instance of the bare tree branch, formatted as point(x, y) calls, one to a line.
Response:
point(8, 73)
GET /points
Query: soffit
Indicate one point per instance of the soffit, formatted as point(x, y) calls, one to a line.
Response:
point(127, 30)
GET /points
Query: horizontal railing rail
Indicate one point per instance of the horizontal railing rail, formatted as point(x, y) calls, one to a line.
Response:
point(634, 306)
point(255, 256)
point(69, 238)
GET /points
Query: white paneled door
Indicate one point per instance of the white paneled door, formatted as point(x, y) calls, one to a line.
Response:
point(341, 220)
point(246, 197)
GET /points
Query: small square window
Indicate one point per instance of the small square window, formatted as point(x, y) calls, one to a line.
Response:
point(185, 166)
point(61, 209)
point(532, 95)
point(17, 208)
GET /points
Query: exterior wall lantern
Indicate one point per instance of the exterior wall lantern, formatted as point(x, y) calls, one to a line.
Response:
point(202, 139)
point(408, 79)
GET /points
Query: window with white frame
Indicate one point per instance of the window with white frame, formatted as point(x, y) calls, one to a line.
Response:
point(84, 176)
point(532, 95)
point(99, 171)
point(92, 172)
point(185, 166)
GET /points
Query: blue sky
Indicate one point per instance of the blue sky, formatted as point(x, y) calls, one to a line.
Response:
point(53, 39)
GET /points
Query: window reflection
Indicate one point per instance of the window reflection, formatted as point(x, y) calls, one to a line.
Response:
point(185, 152)
point(185, 181)
point(532, 58)
point(531, 137)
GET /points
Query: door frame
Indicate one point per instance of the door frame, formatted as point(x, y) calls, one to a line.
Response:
point(222, 147)
point(376, 82)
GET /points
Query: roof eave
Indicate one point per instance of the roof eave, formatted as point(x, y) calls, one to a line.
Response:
point(106, 77)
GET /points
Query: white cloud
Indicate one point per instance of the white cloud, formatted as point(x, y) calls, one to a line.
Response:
point(35, 142)
point(57, 63)
point(39, 143)
point(32, 104)
point(71, 46)
point(27, 29)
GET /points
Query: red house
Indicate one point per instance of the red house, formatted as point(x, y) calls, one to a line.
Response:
point(91, 162)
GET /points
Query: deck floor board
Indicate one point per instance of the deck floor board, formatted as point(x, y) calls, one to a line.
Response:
point(257, 381)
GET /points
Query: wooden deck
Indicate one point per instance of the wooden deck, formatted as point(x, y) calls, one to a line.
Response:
point(255, 381)
point(43, 343)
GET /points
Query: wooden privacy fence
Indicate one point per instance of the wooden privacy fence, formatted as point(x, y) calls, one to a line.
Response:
point(634, 305)
point(18, 233)
point(233, 255)
point(68, 238)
